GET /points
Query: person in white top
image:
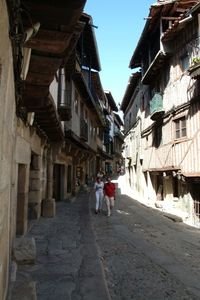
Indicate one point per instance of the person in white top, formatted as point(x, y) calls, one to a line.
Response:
point(98, 187)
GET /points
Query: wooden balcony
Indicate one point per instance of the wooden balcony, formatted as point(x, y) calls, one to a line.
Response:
point(156, 107)
point(50, 46)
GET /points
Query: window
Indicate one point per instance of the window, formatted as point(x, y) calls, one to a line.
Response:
point(180, 128)
point(184, 62)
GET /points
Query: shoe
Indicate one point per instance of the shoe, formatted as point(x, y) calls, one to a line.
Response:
point(99, 210)
point(108, 215)
point(96, 212)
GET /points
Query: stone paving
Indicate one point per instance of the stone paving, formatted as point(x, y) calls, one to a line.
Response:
point(147, 255)
point(67, 264)
point(137, 253)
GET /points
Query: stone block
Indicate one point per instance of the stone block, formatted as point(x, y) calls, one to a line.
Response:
point(35, 196)
point(35, 184)
point(35, 174)
point(36, 162)
point(24, 291)
point(48, 208)
point(22, 151)
point(24, 250)
point(34, 211)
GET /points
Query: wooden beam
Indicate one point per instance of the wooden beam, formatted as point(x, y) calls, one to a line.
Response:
point(39, 79)
point(170, 18)
point(45, 64)
point(56, 12)
point(47, 41)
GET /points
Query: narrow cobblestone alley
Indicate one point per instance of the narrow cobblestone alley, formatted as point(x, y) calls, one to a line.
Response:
point(136, 253)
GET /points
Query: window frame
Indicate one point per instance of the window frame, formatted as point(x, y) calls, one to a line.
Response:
point(180, 131)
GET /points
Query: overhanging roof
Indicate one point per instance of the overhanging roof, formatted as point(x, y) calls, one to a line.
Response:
point(119, 120)
point(168, 8)
point(89, 42)
point(111, 101)
point(132, 84)
point(154, 68)
point(97, 86)
point(52, 45)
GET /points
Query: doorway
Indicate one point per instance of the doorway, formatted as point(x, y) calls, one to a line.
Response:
point(58, 182)
point(69, 179)
point(22, 200)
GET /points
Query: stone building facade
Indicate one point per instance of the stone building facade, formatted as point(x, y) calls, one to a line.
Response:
point(52, 121)
point(162, 111)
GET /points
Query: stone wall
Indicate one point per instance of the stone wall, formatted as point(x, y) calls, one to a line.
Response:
point(7, 138)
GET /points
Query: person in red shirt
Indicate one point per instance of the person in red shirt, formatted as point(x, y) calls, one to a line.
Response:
point(109, 193)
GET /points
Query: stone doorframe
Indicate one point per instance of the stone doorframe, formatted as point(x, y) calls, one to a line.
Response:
point(35, 187)
point(48, 204)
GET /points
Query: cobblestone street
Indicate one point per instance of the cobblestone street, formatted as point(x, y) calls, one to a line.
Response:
point(68, 264)
point(136, 253)
point(146, 255)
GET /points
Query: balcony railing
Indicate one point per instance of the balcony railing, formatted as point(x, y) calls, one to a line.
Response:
point(83, 130)
point(156, 107)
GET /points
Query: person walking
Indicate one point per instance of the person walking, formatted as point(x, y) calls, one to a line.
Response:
point(98, 187)
point(109, 193)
